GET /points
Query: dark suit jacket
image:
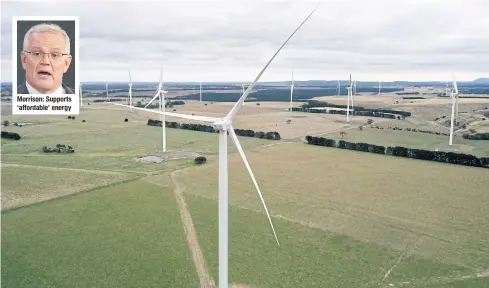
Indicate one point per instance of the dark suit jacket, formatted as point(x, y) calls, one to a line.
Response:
point(22, 89)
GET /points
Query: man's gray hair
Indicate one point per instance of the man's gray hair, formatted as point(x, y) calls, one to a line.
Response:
point(47, 27)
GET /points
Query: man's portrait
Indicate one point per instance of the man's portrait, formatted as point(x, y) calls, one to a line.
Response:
point(46, 61)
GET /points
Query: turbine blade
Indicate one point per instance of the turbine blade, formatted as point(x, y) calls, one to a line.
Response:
point(241, 152)
point(241, 100)
point(130, 80)
point(455, 85)
point(161, 74)
point(157, 94)
point(185, 116)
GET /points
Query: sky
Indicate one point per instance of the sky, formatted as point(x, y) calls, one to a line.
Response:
point(410, 40)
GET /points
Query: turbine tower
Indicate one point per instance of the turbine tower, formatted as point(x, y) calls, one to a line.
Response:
point(353, 90)
point(130, 91)
point(200, 92)
point(224, 126)
point(81, 95)
point(380, 81)
point(243, 90)
point(161, 95)
point(291, 89)
point(338, 87)
point(349, 88)
point(454, 95)
point(107, 90)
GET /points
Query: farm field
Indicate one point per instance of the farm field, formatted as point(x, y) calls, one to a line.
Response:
point(100, 217)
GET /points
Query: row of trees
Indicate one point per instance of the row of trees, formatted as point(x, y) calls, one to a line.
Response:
point(411, 130)
point(476, 136)
point(10, 135)
point(109, 100)
point(169, 104)
point(413, 98)
point(343, 112)
point(438, 156)
point(358, 110)
point(60, 148)
point(210, 129)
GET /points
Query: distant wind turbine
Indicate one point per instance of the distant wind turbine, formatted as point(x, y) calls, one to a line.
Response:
point(161, 95)
point(200, 92)
point(81, 95)
point(454, 95)
point(291, 89)
point(349, 88)
point(130, 91)
point(380, 81)
point(338, 87)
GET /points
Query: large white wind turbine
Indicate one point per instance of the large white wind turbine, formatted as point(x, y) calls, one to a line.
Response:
point(224, 126)
point(161, 95)
point(130, 91)
point(291, 90)
point(454, 95)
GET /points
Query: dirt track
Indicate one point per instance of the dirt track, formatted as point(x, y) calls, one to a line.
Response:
point(197, 255)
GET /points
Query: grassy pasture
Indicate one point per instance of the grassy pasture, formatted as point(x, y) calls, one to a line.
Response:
point(22, 185)
point(434, 210)
point(105, 141)
point(129, 235)
point(310, 257)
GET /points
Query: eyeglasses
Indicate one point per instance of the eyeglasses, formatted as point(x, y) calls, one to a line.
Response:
point(55, 56)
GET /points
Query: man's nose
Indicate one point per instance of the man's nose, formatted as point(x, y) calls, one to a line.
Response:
point(45, 59)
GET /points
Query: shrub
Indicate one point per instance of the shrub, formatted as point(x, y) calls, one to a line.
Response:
point(83, 120)
point(125, 120)
point(399, 151)
point(200, 160)
point(10, 135)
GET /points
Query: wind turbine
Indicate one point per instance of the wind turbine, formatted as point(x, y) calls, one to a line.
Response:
point(224, 126)
point(130, 91)
point(161, 95)
point(81, 95)
point(338, 87)
point(349, 88)
point(291, 90)
point(353, 90)
point(454, 95)
point(380, 81)
point(242, 91)
point(200, 92)
point(107, 90)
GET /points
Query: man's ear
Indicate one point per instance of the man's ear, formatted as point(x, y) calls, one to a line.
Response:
point(67, 62)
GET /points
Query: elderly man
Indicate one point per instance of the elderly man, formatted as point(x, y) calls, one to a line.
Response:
point(45, 58)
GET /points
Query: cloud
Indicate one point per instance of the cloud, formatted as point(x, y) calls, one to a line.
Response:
point(232, 40)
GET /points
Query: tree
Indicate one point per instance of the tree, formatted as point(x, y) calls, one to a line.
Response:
point(370, 121)
point(342, 133)
point(200, 160)
point(472, 130)
point(125, 120)
point(360, 127)
point(6, 123)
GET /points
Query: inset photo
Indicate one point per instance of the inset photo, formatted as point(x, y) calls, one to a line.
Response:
point(45, 59)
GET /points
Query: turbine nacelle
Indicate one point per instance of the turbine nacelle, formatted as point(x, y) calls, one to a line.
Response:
point(221, 124)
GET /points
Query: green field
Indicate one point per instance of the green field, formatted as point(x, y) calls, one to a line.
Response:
point(101, 218)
